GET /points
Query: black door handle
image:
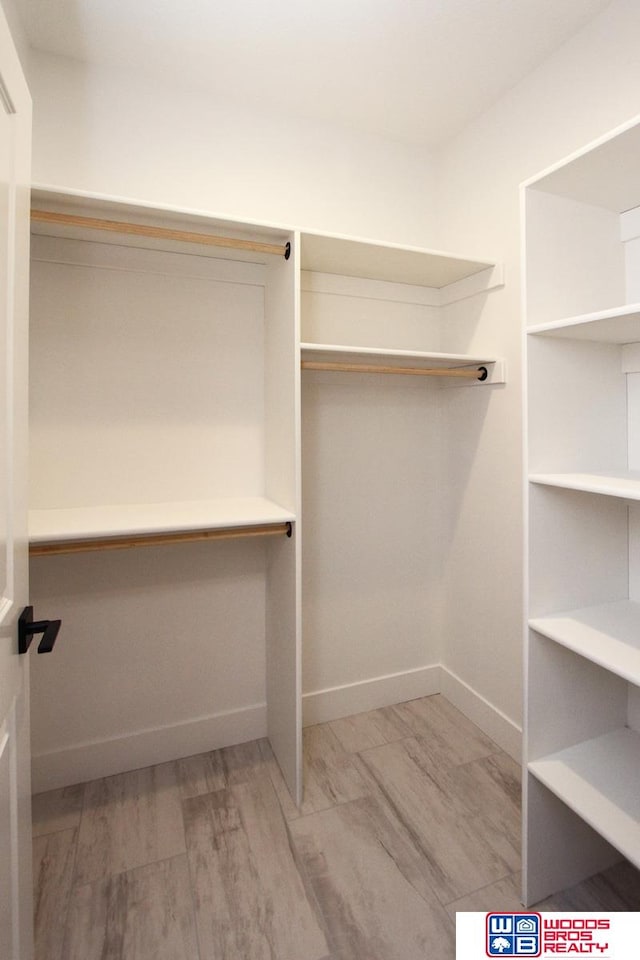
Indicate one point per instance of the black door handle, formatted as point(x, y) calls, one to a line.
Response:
point(27, 627)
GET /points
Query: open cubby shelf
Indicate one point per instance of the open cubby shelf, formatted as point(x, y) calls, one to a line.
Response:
point(600, 780)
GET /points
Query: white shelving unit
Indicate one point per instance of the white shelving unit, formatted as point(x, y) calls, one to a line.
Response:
point(376, 456)
point(164, 379)
point(175, 414)
point(582, 750)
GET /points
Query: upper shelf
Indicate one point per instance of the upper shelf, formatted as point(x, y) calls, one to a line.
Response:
point(169, 221)
point(625, 485)
point(617, 325)
point(376, 261)
point(320, 253)
point(144, 522)
point(603, 174)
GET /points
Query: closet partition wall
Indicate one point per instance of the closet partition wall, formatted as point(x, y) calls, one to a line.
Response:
point(374, 483)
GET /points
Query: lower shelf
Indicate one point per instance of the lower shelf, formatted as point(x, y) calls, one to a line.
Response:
point(600, 780)
point(112, 526)
point(462, 367)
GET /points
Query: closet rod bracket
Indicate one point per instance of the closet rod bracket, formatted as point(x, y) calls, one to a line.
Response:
point(287, 250)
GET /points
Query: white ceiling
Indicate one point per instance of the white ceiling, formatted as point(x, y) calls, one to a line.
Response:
point(413, 70)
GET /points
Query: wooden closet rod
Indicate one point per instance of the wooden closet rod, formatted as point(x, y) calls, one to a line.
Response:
point(159, 539)
point(160, 233)
point(466, 373)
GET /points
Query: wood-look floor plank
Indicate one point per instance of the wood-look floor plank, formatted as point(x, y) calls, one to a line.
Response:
point(57, 809)
point(242, 761)
point(406, 808)
point(143, 914)
point(616, 889)
point(490, 788)
point(371, 887)
point(501, 896)
point(330, 775)
point(371, 729)
point(250, 900)
point(463, 850)
point(129, 820)
point(201, 774)
point(208, 772)
point(53, 862)
point(450, 738)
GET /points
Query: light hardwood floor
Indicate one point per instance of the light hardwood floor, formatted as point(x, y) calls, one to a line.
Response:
point(410, 813)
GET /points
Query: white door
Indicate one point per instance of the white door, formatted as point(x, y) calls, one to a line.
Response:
point(16, 938)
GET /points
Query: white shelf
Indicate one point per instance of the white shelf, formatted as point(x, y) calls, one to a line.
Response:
point(617, 325)
point(352, 257)
point(602, 174)
point(81, 203)
point(144, 519)
point(625, 485)
point(608, 634)
point(326, 352)
point(600, 780)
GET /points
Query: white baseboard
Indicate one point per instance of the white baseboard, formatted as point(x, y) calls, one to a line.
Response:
point(102, 758)
point(506, 733)
point(336, 702)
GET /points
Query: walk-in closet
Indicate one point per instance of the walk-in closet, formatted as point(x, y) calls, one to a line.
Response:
point(242, 412)
point(319, 474)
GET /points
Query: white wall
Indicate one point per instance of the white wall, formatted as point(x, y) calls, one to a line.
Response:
point(101, 132)
point(589, 86)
